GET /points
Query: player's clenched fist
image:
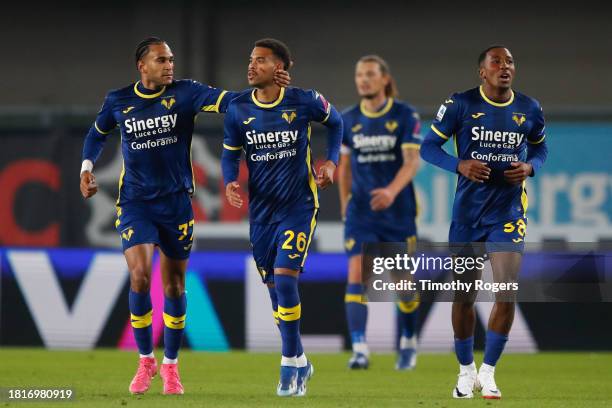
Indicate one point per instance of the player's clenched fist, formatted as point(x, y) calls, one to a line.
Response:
point(89, 187)
point(474, 170)
point(233, 195)
point(325, 175)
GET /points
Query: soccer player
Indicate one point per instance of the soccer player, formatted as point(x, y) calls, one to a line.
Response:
point(156, 119)
point(499, 136)
point(272, 125)
point(378, 163)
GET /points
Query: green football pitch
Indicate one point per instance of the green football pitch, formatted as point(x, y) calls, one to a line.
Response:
point(237, 379)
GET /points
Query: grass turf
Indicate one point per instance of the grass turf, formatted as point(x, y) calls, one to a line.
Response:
point(236, 379)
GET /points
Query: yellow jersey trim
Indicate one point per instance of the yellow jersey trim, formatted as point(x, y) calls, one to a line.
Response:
point(327, 117)
point(524, 199)
point(268, 105)
point(118, 220)
point(289, 314)
point(311, 179)
point(147, 96)
point(215, 107)
point(411, 146)
point(100, 131)
point(411, 243)
point(313, 226)
point(500, 105)
point(378, 114)
point(537, 142)
point(193, 181)
point(228, 147)
point(140, 322)
point(442, 135)
point(121, 180)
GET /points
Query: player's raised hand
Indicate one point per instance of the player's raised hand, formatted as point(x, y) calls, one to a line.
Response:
point(88, 186)
point(233, 195)
point(475, 170)
point(519, 172)
point(382, 198)
point(325, 175)
point(282, 78)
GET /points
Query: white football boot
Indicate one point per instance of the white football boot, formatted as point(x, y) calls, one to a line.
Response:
point(486, 378)
point(467, 382)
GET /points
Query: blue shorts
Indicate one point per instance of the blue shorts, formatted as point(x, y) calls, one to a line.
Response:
point(164, 221)
point(356, 234)
point(283, 244)
point(502, 237)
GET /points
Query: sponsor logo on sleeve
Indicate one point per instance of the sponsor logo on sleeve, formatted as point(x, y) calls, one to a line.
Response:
point(440, 113)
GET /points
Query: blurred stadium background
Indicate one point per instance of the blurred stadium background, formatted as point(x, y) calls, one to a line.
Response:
point(63, 280)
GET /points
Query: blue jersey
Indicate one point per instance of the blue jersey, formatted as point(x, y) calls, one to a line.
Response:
point(495, 133)
point(156, 130)
point(376, 140)
point(276, 140)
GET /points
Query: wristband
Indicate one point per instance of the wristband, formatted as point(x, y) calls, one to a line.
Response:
point(86, 166)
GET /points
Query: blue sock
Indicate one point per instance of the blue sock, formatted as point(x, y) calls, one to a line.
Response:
point(356, 312)
point(465, 350)
point(289, 313)
point(274, 299)
point(494, 346)
point(408, 317)
point(174, 324)
point(141, 317)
